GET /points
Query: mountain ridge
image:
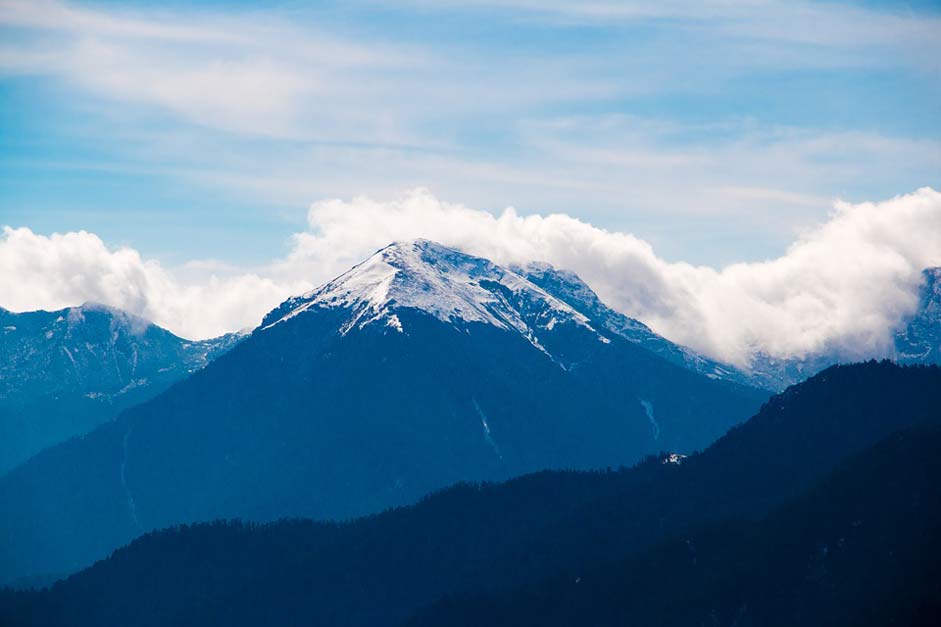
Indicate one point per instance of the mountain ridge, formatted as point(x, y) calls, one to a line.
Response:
point(64, 372)
point(569, 287)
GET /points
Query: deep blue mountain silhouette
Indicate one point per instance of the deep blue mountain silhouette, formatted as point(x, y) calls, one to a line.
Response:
point(416, 369)
point(515, 552)
point(860, 548)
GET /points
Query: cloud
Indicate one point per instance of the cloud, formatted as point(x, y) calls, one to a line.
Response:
point(713, 201)
point(843, 285)
point(62, 270)
point(284, 75)
point(800, 32)
point(253, 73)
point(271, 75)
point(714, 103)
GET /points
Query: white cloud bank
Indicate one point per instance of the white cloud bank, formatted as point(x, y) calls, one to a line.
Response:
point(62, 270)
point(845, 284)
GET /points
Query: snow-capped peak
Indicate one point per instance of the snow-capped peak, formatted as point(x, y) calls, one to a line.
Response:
point(446, 283)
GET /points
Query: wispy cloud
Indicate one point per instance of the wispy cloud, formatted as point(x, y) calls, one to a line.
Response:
point(252, 74)
point(259, 73)
point(628, 113)
point(824, 24)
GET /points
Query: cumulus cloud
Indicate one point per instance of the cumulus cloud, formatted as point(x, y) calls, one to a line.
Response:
point(62, 270)
point(844, 285)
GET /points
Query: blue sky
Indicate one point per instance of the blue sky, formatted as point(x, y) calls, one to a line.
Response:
point(715, 131)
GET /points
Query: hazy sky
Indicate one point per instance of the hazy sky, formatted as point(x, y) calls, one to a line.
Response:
point(189, 142)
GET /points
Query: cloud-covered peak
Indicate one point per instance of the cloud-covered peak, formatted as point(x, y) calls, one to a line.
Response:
point(848, 283)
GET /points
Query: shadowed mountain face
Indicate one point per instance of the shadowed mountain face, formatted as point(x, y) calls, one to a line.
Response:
point(474, 542)
point(418, 368)
point(63, 373)
point(861, 548)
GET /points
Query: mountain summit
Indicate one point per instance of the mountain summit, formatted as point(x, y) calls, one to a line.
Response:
point(457, 288)
point(449, 285)
point(418, 368)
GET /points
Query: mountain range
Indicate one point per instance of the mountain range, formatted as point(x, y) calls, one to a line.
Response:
point(827, 496)
point(418, 368)
point(918, 341)
point(63, 373)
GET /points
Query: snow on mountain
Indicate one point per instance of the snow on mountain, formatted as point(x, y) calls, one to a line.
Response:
point(569, 287)
point(451, 286)
point(92, 346)
point(458, 288)
point(919, 342)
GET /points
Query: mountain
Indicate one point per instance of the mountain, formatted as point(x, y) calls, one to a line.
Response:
point(920, 341)
point(863, 547)
point(476, 540)
point(63, 373)
point(777, 373)
point(568, 287)
point(418, 368)
point(917, 342)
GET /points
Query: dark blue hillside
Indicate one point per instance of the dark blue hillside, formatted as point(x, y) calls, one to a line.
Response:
point(473, 539)
point(315, 416)
point(63, 373)
point(863, 547)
